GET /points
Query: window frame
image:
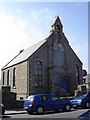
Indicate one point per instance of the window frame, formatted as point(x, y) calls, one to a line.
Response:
point(59, 55)
point(38, 73)
point(14, 77)
point(8, 77)
point(77, 74)
point(3, 82)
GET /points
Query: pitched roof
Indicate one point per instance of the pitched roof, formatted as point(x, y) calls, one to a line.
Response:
point(25, 54)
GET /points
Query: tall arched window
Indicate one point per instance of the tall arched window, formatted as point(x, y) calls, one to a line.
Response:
point(3, 82)
point(58, 55)
point(8, 77)
point(14, 77)
point(77, 74)
point(38, 73)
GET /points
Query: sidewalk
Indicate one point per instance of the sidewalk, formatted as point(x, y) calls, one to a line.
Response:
point(15, 111)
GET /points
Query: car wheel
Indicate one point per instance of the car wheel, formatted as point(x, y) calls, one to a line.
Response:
point(87, 105)
point(67, 107)
point(39, 110)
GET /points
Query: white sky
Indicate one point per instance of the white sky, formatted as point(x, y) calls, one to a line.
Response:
point(44, 0)
point(21, 26)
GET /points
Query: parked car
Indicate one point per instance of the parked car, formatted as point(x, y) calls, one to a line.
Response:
point(45, 102)
point(2, 109)
point(81, 101)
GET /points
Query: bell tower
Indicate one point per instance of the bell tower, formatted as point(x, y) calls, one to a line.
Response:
point(57, 25)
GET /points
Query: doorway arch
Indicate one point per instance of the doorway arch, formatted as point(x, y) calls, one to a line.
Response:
point(64, 85)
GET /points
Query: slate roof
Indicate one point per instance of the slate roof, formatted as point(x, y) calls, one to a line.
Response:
point(25, 54)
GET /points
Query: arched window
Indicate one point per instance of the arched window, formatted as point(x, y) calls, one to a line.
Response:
point(3, 82)
point(59, 55)
point(14, 77)
point(8, 77)
point(58, 28)
point(77, 74)
point(38, 73)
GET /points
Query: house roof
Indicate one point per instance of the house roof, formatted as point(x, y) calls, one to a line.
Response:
point(24, 54)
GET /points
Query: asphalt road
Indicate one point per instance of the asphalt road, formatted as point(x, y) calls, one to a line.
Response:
point(76, 114)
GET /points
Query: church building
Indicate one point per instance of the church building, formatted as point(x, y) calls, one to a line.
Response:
point(49, 66)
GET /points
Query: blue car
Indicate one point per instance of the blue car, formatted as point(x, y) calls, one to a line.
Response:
point(45, 102)
point(81, 101)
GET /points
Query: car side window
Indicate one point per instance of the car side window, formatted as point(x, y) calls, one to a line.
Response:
point(53, 98)
point(44, 98)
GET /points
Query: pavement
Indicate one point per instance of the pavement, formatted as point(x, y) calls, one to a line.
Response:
point(15, 111)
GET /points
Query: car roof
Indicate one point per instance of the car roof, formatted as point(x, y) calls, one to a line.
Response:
point(42, 95)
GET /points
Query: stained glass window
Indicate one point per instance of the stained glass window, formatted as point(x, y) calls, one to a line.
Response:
point(58, 55)
point(38, 73)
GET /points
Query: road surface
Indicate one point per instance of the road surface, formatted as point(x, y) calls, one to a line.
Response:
point(80, 114)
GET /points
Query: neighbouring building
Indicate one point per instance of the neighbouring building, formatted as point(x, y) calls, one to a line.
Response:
point(87, 81)
point(49, 66)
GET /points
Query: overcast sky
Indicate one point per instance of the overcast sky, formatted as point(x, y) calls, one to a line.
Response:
point(23, 24)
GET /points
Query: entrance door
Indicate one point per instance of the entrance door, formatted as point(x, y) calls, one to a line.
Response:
point(64, 85)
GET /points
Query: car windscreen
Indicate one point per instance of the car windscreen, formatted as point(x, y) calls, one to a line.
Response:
point(30, 98)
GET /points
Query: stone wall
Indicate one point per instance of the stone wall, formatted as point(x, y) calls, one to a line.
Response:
point(21, 80)
point(9, 99)
point(45, 54)
point(42, 55)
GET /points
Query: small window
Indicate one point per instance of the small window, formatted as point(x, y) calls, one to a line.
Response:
point(56, 80)
point(8, 77)
point(3, 78)
point(21, 98)
point(58, 28)
point(14, 77)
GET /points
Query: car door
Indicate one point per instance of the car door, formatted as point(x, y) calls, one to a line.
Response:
point(46, 102)
point(56, 103)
